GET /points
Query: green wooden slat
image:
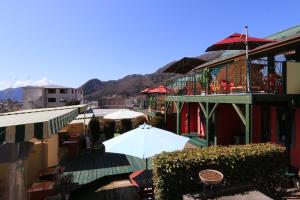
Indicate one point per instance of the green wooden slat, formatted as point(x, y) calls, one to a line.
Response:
point(20, 133)
point(2, 134)
point(39, 130)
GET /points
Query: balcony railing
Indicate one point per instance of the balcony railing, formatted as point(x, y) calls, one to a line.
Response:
point(231, 78)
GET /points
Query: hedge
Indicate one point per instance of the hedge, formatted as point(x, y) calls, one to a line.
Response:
point(176, 173)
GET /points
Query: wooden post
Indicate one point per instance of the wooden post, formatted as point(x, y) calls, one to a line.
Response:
point(178, 105)
point(247, 125)
point(188, 116)
point(207, 124)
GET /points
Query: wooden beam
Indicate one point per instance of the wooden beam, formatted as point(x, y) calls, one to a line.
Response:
point(203, 109)
point(240, 113)
point(212, 110)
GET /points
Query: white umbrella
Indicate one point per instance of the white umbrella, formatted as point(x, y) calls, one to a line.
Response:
point(145, 141)
point(123, 114)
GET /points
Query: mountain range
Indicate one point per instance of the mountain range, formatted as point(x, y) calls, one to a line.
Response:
point(93, 89)
point(128, 86)
point(15, 94)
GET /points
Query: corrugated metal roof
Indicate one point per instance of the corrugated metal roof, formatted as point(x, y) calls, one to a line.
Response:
point(285, 33)
point(81, 106)
point(226, 54)
point(31, 117)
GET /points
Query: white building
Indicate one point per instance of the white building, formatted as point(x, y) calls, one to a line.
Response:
point(49, 96)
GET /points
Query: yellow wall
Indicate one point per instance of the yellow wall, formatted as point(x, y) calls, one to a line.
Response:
point(52, 153)
point(293, 80)
point(37, 161)
point(4, 180)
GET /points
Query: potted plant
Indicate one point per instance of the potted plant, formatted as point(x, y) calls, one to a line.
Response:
point(205, 79)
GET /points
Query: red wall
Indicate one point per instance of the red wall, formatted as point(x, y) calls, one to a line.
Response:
point(256, 124)
point(229, 124)
point(183, 119)
point(193, 117)
point(273, 124)
point(295, 150)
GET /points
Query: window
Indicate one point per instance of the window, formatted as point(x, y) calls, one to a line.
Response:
point(63, 91)
point(72, 91)
point(63, 100)
point(51, 91)
point(51, 100)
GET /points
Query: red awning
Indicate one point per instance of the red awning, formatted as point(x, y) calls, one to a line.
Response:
point(237, 41)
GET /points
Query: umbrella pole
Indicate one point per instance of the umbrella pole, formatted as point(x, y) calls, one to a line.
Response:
point(247, 64)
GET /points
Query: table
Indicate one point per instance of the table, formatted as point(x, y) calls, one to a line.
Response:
point(51, 173)
point(38, 191)
point(142, 179)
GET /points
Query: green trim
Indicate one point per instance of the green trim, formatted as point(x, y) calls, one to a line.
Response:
point(207, 125)
point(20, 133)
point(2, 134)
point(240, 113)
point(39, 130)
point(238, 99)
point(203, 109)
point(212, 110)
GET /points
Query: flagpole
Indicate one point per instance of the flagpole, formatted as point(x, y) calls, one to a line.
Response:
point(247, 58)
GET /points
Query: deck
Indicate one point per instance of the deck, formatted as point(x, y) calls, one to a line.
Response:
point(89, 167)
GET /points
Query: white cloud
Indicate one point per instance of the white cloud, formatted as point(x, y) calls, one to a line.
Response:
point(20, 83)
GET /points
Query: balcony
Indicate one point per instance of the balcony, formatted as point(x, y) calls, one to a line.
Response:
point(265, 78)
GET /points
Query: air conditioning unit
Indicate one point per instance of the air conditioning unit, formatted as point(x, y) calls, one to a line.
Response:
point(239, 140)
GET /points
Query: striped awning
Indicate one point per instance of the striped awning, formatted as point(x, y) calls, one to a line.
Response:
point(23, 125)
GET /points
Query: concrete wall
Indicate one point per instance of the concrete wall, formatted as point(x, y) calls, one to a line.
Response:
point(293, 80)
point(33, 98)
point(37, 97)
point(61, 98)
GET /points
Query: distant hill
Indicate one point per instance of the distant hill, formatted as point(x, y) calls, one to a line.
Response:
point(15, 94)
point(128, 86)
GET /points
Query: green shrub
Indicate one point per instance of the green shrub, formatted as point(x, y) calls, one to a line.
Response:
point(126, 125)
point(176, 173)
point(157, 121)
point(109, 129)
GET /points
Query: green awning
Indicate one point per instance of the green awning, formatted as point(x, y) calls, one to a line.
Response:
point(23, 125)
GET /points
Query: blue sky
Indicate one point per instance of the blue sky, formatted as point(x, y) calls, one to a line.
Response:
point(68, 42)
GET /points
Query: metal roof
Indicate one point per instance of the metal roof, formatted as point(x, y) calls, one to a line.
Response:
point(31, 117)
point(23, 125)
point(285, 33)
point(280, 37)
